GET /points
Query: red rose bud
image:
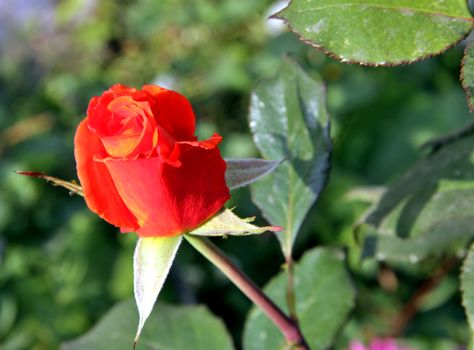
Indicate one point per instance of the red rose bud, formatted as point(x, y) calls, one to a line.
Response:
point(140, 165)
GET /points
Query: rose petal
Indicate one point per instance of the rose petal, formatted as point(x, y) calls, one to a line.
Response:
point(168, 199)
point(99, 190)
point(174, 157)
point(97, 111)
point(124, 122)
point(172, 112)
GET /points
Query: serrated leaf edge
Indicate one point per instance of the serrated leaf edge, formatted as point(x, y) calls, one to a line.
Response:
point(466, 88)
point(345, 60)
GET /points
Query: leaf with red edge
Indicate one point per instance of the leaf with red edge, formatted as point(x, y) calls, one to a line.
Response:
point(379, 32)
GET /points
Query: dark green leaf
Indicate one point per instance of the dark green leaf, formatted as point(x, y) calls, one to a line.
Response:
point(288, 118)
point(379, 32)
point(169, 327)
point(467, 75)
point(324, 297)
point(428, 211)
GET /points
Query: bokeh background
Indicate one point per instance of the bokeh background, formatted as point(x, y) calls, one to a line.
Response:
point(62, 268)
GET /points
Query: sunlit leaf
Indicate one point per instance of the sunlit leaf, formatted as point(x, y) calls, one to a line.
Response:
point(379, 32)
point(227, 223)
point(324, 298)
point(288, 118)
point(151, 264)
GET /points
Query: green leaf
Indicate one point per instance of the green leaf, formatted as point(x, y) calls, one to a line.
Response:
point(169, 327)
point(288, 118)
point(227, 223)
point(369, 194)
point(428, 211)
point(324, 298)
point(467, 287)
point(379, 32)
point(151, 263)
point(467, 74)
point(242, 172)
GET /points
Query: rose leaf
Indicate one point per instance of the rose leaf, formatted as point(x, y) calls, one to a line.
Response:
point(242, 172)
point(288, 119)
point(427, 212)
point(379, 33)
point(169, 327)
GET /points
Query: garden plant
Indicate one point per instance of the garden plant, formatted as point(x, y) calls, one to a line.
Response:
point(318, 154)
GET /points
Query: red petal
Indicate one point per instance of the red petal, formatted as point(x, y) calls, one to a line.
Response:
point(173, 158)
point(169, 200)
point(99, 189)
point(210, 143)
point(98, 112)
point(121, 89)
point(172, 112)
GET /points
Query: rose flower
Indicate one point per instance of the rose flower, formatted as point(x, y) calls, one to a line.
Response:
point(142, 168)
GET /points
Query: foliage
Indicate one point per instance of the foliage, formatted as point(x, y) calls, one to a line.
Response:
point(427, 212)
point(288, 119)
point(467, 279)
point(381, 32)
point(324, 298)
point(61, 268)
point(174, 327)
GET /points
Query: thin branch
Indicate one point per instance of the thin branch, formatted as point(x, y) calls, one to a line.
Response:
point(411, 307)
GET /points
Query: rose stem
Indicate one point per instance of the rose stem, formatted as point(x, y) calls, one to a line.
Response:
point(287, 248)
point(286, 325)
point(290, 286)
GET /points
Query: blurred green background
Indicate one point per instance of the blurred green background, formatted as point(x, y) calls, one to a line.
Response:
point(61, 267)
